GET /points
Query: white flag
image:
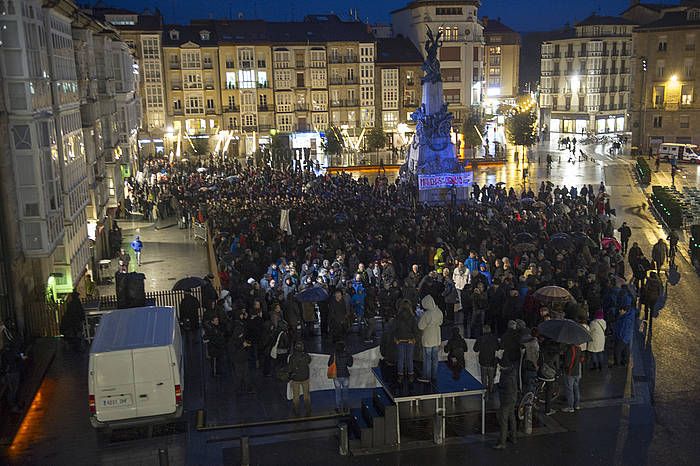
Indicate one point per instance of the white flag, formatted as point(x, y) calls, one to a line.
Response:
point(284, 221)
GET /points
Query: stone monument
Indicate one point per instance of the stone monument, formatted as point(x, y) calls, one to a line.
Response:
point(431, 153)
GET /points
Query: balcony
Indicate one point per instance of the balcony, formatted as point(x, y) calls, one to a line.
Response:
point(281, 64)
point(301, 108)
point(245, 64)
point(176, 87)
point(229, 65)
point(264, 127)
point(546, 55)
point(345, 103)
point(334, 81)
point(209, 86)
point(299, 65)
point(264, 108)
point(230, 86)
point(263, 85)
point(570, 55)
point(452, 79)
point(410, 82)
point(262, 64)
point(231, 109)
point(582, 53)
point(211, 111)
point(351, 59)
point(410, 103)
point(174, 65)
point(178, 111)
point(318, 64)
point(624, 71)
point(614, 53)
point(546, 72)
point(250, 128)
point(207, 66)
point(614, 70)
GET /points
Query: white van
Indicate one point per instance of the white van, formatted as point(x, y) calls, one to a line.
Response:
point(680, 152)
point(135, 373)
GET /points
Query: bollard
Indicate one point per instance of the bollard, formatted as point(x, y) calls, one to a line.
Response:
point(200, 418)
point(343, 436)
point(163, 459)
point(245, 452)
point(439, 426)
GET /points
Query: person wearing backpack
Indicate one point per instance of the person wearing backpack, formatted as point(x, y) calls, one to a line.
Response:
point(342, 361)
point(572, 369)
point(299, 375)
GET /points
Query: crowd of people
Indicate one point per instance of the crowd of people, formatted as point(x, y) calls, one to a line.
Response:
point(375, 252)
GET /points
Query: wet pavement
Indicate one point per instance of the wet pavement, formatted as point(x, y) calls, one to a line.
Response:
point(647, 414)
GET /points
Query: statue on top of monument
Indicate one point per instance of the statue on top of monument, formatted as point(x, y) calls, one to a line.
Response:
point(431, 65)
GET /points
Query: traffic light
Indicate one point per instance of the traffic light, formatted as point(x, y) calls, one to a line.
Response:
point(644, 64)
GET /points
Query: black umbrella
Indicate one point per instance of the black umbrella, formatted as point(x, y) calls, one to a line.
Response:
point(524, 237)
point(564, 331)
point(525, 247)
point(188, 283)
point(312, 295)
point(582, 239)
point(560, 242)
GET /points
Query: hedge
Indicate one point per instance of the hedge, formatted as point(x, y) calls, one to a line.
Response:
point(668, 206)
point(643, 171)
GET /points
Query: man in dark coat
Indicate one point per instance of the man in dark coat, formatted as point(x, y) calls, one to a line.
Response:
point(508, 396)
point(72, 322)
point(189, 309)
point(299, 377)
point(487, 345)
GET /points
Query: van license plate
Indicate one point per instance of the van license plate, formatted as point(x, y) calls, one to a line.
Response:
point(116, 402)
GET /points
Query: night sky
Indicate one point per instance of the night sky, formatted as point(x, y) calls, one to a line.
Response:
point(521, 15)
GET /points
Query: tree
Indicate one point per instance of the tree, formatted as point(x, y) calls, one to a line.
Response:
point(333, 142)
point(521, 126)
point(375, 139)
point(473, 129)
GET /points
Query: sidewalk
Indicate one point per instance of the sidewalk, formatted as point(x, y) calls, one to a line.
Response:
point(169, 254)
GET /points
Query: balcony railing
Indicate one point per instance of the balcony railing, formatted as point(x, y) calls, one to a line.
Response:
point(299, 64)
point(345, 103)
point(410, 103)
point(207, 66)
point(262, 64)
point(178, 111)
point(281, 64)
point(176, 87)
point(410, 82)
point(229, 64)
point(301, 108)
point(211, 111)
point(264, 108)
point(174, 66)
point(569, 55)
point(232, 108)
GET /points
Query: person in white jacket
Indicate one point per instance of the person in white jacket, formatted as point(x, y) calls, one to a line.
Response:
point(596, 347)
point(429, 324)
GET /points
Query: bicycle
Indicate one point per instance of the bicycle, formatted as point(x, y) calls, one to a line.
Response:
point(536, 396)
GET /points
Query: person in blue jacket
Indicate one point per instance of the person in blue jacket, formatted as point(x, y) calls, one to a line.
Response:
point(137, 246)
point(623, 329)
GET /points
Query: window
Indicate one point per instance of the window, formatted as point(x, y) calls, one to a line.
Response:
point(245, 59)
point(451, 74)
point(451, 11)
point(660, 68)
point(689, 68)
point(191, 59)
point(262, 79)
point(22, 137)
point(284, 123)
point(476, 54)
point(410, 76)
point(450, 34)
point(283, 79)
point(230, 80)
point(318, 78)
point(684, 121)
point(174, 34)
point(663, 44)
point(351, 76)
point(686, 95)
point(693, 14)
point(193, 81)
point(451, 96)
point(262, 102)
point(248, 103)
point(319, 101)
point(210, 104)
point(246, 79)
point(231, 103)
point(204, 35)
point(657, 121)
point(193, 105)
point(450, 53)
point(284, 102)
point(249, 120)
point(659, 96)
point(177, 104)
point(390, 120)
point(207, 61)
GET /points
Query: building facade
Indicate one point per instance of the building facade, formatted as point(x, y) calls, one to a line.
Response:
point(462, 53)
point(398, 87)
point(142, 34)
point(663, 104)
point(55, 76)
point(585, 79)
point(501, 63)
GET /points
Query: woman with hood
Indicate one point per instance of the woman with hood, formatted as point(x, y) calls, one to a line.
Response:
point(429, 324)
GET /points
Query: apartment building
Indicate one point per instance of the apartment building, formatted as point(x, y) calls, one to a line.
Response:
point(462, 53)
point(54, 82)
point(585, 79)
point(192, 85)
point(398, 87)
point(501, 62)
point(141, 32)
point(663, 104)
point(323, 75)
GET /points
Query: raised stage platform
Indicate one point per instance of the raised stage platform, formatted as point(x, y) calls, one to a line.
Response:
point(449, 384)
